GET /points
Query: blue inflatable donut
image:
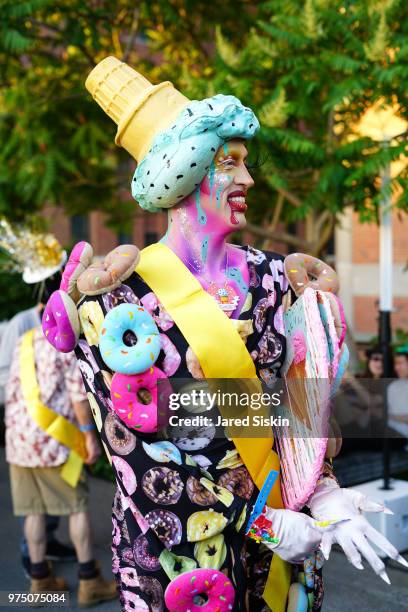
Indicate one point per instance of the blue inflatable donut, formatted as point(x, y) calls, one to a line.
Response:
point(121, 356)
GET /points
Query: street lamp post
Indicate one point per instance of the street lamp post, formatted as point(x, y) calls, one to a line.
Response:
point(385, 334)
point(382, 124)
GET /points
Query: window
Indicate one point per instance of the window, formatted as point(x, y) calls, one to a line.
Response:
point(79, 228)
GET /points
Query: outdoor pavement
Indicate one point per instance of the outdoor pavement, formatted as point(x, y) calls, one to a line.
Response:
point(346, 588)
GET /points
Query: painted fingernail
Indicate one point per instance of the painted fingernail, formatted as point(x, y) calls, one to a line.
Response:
point(401, 560)
point(383, 575)
point(387, 510)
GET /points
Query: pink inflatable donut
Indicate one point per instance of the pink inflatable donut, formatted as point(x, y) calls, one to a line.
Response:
point(127, 405)
point(60, 322)
point(79, 260)
point(200, 590)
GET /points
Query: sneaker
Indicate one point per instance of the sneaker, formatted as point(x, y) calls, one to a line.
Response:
point(95, 590)
point(26, 563)
point(56, 551)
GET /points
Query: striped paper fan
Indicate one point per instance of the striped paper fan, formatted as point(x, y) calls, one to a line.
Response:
point(310, 366)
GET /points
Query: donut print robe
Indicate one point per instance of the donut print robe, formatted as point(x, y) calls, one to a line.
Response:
point(165, 522)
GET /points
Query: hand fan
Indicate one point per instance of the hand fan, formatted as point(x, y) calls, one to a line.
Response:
point(311, 364)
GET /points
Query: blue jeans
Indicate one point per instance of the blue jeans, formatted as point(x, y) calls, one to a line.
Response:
point(52, 523)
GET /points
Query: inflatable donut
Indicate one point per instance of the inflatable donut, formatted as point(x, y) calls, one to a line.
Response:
point(79, 260)
point(200, 590)
point(107, 275)
point(60, 322)
point(129, 340)
point(129, 408)
point(299, 268)
point(339, 318)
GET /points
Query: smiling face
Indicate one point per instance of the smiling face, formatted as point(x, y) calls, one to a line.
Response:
point(222, 193)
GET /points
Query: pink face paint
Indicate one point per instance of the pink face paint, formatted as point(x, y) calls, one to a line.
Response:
point(199, 226)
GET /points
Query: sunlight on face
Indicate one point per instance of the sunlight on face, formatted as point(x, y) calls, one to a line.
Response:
point(222, 195)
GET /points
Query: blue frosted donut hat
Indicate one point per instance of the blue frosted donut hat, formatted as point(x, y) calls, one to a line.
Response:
point(181, 156)
point(173, 139)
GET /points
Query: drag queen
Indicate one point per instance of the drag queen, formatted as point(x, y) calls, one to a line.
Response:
point(211, 309)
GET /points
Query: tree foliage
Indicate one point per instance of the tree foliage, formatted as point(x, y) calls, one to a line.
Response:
point(57, 145)
point(310, 69)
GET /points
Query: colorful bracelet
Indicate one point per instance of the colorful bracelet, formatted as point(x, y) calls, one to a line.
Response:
point(261, 530)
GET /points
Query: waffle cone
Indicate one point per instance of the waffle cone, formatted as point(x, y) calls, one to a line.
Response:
point(140, 110)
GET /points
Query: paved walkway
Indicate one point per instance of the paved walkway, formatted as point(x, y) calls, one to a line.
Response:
point(346, 587)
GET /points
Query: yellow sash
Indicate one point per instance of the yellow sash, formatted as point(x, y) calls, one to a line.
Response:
point(55, 425)
point(222, 354)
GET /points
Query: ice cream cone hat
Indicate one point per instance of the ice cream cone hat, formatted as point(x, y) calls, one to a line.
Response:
point(140, 110)
point(173, 139)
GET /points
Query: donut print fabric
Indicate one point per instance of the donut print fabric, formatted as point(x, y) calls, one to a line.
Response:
point(182, 503)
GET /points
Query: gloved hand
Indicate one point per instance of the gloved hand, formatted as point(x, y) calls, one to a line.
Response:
point(291, 535)
point(330, 502)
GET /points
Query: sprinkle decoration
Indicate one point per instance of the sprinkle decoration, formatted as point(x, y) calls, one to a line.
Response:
point(261, 530)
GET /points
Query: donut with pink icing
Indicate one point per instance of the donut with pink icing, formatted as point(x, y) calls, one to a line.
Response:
point(303, 271)
point(60, 322)
point(79, 260)
point(201, 590)
point(126, 391)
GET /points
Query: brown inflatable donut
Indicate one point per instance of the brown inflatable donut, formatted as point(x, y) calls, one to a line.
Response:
point(335, 439)
point(108, 274)
point(303, 271)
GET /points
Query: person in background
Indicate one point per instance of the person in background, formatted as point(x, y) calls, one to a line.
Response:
point(40, 263)
point(397, 394)
point(374, 364)
point(359, 407)
point(50, 431)
point(14, 329)
point(38, 484)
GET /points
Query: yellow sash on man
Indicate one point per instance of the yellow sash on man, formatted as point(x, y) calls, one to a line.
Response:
point(55, 425)
point(222, 354)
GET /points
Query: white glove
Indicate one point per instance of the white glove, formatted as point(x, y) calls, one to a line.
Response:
point(291, 535)
point(329, 502)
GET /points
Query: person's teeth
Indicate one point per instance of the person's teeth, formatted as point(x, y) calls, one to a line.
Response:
point(237, 199)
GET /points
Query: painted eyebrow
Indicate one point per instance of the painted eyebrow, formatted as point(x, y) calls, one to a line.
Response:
point(234, 155)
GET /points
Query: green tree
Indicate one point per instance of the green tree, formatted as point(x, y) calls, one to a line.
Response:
point(57, 145)
point(310, 69)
